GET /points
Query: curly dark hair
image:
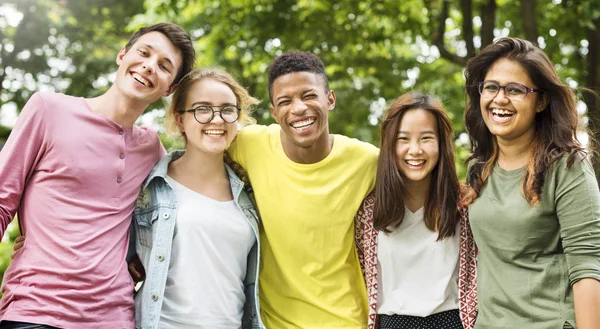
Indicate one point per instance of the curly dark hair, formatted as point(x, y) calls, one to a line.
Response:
point(555, 126)
point(296, 61)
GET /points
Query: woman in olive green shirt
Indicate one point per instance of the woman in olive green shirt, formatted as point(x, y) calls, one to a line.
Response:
point(536, 216)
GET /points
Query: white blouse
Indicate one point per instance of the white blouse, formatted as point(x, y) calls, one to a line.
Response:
point(418, 276)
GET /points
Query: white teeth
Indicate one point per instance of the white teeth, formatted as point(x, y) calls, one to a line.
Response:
point(141, 80)
point(415, 162)
point(214, 132)
point(502, 112)
point(303, 123)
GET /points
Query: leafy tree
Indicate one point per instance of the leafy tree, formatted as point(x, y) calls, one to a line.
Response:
point(377, 50)
point(67, 46)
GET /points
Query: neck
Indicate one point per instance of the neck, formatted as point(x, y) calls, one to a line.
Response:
point(195, 166)
point(314, 153)
point(514, 154)
point(117, 108)
point(416, 194)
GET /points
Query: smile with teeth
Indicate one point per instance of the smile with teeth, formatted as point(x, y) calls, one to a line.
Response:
point(302, 124)
point(502, 113)
point(141, 80)
point(415, 163)
point(214, 132)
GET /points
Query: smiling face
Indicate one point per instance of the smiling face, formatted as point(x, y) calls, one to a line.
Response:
point(213, 137)
point(301, 106)
point(510, 120)
point(417, 147)
point(147, 70)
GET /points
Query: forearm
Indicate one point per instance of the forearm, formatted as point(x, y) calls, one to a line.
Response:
point(586, 293)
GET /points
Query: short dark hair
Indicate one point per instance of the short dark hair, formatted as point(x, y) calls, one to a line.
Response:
point(296, 61)
point(178, 37)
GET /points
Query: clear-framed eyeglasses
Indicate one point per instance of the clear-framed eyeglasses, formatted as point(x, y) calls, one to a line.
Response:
point(206, 113)
point(514, 91)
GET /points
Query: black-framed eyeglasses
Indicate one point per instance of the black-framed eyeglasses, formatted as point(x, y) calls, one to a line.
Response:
point(206, 113)
point(514, 91)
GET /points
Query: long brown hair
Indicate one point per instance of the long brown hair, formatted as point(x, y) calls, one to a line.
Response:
point(441, 213)
point(555, 126)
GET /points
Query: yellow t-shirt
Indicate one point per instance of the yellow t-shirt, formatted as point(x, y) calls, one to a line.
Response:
point(310, 277)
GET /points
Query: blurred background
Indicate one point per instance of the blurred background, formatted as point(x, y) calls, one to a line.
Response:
point(373, 50)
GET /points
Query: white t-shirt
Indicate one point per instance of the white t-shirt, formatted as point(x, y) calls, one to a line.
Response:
point(418, 276)
point(205, 287)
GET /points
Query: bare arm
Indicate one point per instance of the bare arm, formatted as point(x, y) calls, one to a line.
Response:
point(586, 293)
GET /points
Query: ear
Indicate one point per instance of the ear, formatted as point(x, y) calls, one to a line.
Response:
point(542, 103)
point(331, 100)
point(120, 55)
point(171, 89)
point(273, 112)
point(179, 122)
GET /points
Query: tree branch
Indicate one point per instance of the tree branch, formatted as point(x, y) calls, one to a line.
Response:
point(437, 38)
point(466, 7)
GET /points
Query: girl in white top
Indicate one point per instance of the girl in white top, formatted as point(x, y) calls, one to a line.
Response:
point(197, 231)
point(416, 197)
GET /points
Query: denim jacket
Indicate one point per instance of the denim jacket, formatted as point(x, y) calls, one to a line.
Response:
point(154, 220)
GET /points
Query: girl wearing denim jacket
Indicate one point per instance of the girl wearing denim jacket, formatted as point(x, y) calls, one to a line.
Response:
point(196, 228)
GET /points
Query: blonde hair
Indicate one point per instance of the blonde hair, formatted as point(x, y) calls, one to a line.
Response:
point(244, 101)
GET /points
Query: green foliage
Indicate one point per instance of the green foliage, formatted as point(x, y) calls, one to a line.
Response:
point(66, 46)
point(12, 232)
point(374, 50)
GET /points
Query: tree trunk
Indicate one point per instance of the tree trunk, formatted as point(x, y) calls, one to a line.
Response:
point(488, 22)
point(593, 83)
point(528, 19)
point(466, 7)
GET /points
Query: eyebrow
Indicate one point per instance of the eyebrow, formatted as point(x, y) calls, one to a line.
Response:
point(303, 93)
point(209, 104)
point(421, 132)
point(167, 59)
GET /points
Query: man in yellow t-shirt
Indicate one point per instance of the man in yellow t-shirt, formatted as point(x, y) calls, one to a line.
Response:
point(308, 185)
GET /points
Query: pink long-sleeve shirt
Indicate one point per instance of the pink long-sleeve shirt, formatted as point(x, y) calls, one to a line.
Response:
point(73, 177)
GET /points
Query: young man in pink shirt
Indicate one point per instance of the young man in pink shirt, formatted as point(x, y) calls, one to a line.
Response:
point(72, 169)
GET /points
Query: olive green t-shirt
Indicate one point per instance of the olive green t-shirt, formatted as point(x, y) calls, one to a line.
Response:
point(529, 256)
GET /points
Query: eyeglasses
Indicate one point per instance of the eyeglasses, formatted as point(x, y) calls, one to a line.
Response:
point(206, 113)
point(514, 91)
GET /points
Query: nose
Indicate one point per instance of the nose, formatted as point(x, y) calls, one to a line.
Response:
point(501, 96)
point(298, 106)
point(217, 117)
point(150, 65)
point(415, 148)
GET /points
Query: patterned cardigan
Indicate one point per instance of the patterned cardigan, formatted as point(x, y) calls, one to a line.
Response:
point(366, 243)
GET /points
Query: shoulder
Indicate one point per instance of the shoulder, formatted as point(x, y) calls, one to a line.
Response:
point(147, 133)
point(355, 145)
point(569, 165)
point(45, 100)
point(251, 136)
point(255, 131)
point(55, 100)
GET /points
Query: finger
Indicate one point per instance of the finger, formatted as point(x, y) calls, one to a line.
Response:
point(18, 244)
point(135, 274)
